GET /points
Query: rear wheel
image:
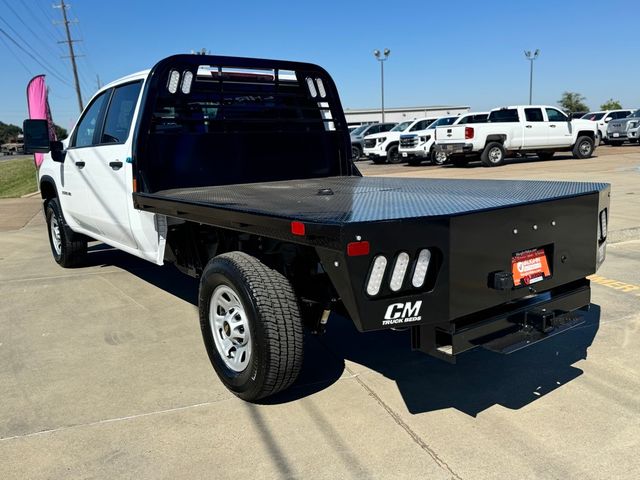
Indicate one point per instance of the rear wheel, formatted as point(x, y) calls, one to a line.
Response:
point(68, 249)
point(545, 155)
point(251, 325)
point(393, 156)
point(583, 148)
point(492, 155)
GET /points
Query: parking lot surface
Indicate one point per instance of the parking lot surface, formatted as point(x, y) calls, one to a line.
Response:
point(104, 374)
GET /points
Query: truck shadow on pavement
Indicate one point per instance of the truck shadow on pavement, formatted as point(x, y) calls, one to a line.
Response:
point(479, 380)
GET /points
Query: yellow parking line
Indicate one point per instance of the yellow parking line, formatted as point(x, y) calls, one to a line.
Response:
point(616, 285)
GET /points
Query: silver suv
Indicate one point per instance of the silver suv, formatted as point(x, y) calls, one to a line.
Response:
point(622, 129)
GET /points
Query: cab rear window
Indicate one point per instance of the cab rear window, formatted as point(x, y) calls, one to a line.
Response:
point(504, 115)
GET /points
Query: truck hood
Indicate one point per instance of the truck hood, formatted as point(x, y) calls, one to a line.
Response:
point(387, 135)
point(588, 124)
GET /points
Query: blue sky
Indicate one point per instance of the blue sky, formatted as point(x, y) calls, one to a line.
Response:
point(458, 52)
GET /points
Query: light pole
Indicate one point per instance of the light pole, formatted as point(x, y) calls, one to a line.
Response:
point(381, 57)
point(531, 57)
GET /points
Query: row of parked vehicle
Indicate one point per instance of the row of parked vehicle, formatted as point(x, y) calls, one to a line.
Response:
point(492, 136)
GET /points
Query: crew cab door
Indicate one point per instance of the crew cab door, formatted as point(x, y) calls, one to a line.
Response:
point(106, 172)
point(560, 131)
point(536, 130)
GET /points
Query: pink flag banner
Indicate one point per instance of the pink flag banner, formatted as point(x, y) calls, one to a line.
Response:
point(38, 104)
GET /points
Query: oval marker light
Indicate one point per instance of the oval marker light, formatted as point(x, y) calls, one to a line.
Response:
point(422, 265)
point(376, 275)
point(399, 270)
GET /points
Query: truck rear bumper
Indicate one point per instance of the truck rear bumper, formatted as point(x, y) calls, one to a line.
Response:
point(510, 327)
point(454, 148)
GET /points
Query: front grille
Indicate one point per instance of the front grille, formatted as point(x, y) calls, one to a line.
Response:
point(617, 127)
point(369, 142)
point(409, 141)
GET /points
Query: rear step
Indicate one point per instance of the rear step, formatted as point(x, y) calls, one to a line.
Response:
point(515, 327)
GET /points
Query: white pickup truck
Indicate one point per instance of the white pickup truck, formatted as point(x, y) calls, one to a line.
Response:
point(538, 129)
point(384, 147)
point(417, 147)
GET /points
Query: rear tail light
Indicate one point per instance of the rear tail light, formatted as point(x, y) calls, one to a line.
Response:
point(468, 133)
point(399, 271)
point(422, 265)
point(356, 249)
point(376, 275)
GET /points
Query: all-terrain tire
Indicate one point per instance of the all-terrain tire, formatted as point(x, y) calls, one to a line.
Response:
point(583, 148)
point(492, 155)
point(273, 316)
point(68, 249)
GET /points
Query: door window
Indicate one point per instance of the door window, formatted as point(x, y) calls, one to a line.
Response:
point(555, 115)
point(120, 114)
point(86, 129)
point(533, 114)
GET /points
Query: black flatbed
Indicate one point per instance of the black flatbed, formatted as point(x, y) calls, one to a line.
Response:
point(334, 202)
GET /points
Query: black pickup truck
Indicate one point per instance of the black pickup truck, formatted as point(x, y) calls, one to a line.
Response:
point(244, 166)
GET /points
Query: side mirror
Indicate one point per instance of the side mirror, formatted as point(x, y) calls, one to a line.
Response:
point(607, 120)
point(57, 151)
point(36, 136)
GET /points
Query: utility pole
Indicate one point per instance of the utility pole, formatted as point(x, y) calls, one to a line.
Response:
point(72, 54)
point(98, 81)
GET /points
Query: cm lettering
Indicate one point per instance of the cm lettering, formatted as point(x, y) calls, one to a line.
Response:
point(397, 311)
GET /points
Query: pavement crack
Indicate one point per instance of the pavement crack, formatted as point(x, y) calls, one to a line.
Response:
point(402, 424)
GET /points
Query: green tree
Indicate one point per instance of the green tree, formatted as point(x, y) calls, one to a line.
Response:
point(9, 133)
point(573, 102)
point(61, 133)
point(611, 104)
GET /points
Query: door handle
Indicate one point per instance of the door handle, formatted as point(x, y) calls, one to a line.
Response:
point(80, 164)
point(115, 165)
point(528, 126)
point(552, 126)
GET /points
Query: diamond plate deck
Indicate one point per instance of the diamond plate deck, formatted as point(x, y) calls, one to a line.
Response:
point(373, 199)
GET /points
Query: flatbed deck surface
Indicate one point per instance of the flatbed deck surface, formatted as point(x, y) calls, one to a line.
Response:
point(339, 200)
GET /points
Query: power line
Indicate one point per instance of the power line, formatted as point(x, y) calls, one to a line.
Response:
point(28, 27)
point(17, 57)
point(34, 58)
point(72, 54)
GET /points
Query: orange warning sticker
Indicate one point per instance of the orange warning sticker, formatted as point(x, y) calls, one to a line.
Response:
point(529, 267)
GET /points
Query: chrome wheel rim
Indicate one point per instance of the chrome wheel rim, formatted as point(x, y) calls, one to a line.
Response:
point(56, 240)
point(440, 157)
point(495, 155)
point(230, 328)
point(585, 148)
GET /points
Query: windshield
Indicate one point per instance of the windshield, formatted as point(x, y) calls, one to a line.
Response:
point(401, 127)
point(442, 122)
point(593, 116)
point(359, 130)
point(635, 114)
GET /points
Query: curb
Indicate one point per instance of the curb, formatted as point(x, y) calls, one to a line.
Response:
point(31, 195)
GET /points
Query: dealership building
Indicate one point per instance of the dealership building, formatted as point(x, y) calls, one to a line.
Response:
point(372, 115)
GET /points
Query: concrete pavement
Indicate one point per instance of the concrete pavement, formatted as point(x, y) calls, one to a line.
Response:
point(104, 375)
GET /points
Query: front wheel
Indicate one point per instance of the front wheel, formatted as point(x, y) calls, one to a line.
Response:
point(68, 249)
point(251, 326)
point(439, 157)
point(492, 155)
point(356, 153)
point(583, 148)
point(393, 156)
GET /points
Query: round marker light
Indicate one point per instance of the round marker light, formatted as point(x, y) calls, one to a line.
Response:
point(376, 275)
point(174, 78)
point(399, 270)
point(422, 265)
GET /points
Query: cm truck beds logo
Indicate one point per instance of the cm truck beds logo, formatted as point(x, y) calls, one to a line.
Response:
point(402, 313)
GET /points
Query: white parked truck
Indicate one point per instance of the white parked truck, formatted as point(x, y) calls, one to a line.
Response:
point(538, 129)
point(417, 147)
point(384, 147)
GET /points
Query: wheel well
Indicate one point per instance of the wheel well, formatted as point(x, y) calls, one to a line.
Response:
point(586, 133)
point(47, 189)
point(496, 138)
point(392, 144)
